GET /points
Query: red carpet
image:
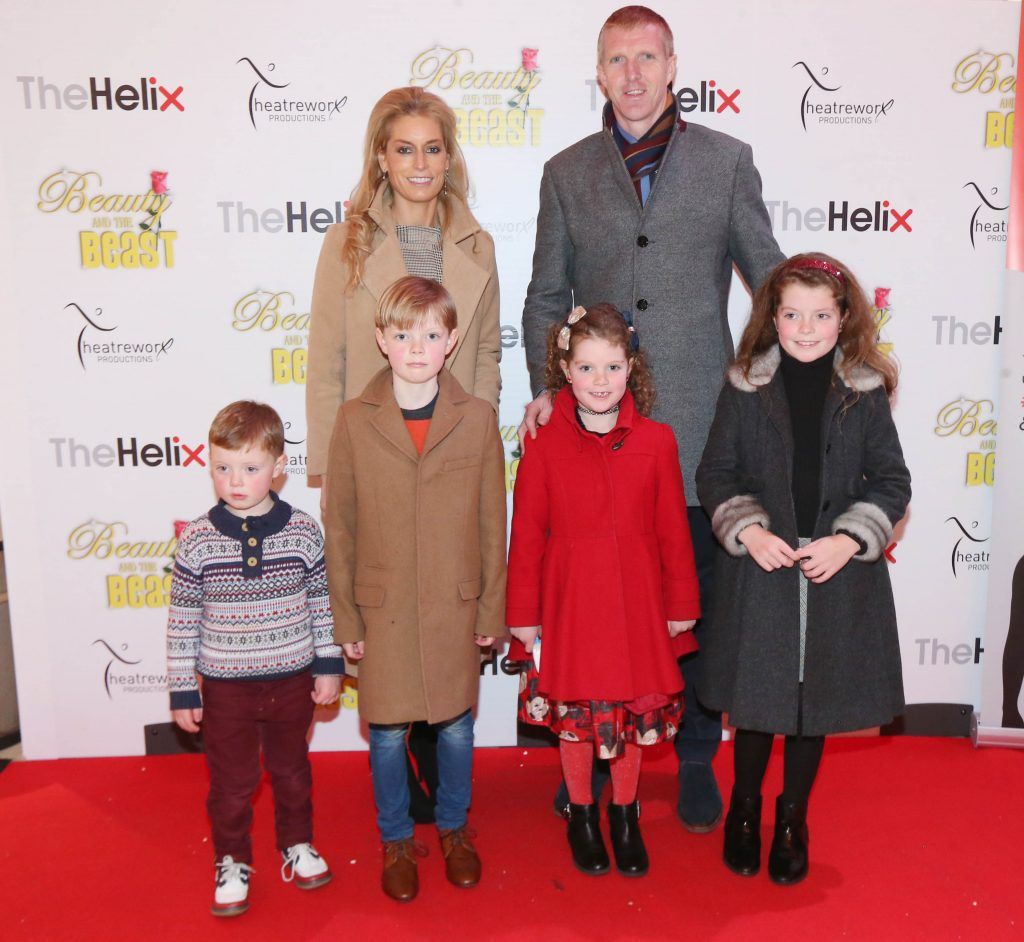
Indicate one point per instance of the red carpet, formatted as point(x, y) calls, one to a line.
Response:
point(910, 839)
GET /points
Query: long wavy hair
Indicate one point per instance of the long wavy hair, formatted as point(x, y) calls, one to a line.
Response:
point(398, 103)
point(604, 322)
point(858, 339)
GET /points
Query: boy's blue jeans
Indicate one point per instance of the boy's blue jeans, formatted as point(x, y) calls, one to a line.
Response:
point(390, 780)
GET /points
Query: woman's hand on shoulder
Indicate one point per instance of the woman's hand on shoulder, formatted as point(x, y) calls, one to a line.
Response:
point(676, 628)
point(822, 559)
point(526, 635)
point(766, 549)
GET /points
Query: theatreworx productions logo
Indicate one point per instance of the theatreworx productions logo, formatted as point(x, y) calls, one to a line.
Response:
point(821, 104)
point(492, 107)
point(967, 554)
point(269, 104)
point(992, 75)
point(839, 216)
point(102, 94)
point(988, 221)
point(126, 230)
point(293, 439)
point(972, 419)
point(272, 315)
point(96, 345)
point(118, 676)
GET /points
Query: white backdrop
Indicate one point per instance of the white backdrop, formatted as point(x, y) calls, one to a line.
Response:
point(891, 116)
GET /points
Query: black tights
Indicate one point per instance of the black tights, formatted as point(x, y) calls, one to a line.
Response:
point(751, 754)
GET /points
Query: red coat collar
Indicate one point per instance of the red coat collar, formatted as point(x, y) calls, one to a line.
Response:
point(565, 409)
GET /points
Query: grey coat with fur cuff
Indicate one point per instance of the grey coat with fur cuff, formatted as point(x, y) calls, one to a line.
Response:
point(852, 674)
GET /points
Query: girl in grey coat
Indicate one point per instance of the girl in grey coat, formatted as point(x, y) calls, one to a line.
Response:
point(804, 479)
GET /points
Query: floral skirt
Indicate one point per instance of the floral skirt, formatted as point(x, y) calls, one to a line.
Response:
point(608, 724)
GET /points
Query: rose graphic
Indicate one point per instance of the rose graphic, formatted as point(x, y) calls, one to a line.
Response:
point(179, 525)
point(529, 67)
point(882, 317)
point(158, 187)
point(882, 297)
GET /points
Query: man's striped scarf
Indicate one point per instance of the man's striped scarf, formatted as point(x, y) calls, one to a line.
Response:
point(644, 157)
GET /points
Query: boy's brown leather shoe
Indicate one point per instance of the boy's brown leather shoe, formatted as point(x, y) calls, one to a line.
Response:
point(461, 863)
point(400, 879)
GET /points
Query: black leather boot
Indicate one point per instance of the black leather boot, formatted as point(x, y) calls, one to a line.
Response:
point(787, 860)
point(585, 842)
point(742, 849)
point(627, 842)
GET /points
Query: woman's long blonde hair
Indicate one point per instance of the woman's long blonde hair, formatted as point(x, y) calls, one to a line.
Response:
point(398, 103)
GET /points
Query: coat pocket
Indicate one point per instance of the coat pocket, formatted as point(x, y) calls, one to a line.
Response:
point(368, 596)
point(469, 590)
point(458, 464)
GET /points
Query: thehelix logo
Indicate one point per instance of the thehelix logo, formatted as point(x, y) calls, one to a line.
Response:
point(282, 109)
point(484, 115)
point(145, 94)
point(116, 677)
point(295, 217)
point(171, 452)
point(989, 73)
point(835, 112)
point(709, 97)
point(92, 350)
point(988, 221)
point(839, 216)
point(971, 558)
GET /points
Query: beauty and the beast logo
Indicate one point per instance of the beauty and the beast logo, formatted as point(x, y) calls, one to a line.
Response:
point(492, 107)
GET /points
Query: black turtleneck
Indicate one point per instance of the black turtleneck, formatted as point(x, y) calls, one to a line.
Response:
point(806, 386)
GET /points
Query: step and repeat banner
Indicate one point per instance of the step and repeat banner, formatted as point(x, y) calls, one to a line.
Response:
point(167, 176)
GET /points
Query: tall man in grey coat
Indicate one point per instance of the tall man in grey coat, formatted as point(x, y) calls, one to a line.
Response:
point(657, 236)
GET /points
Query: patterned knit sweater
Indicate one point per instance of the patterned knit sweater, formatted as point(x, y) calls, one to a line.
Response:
point(248, 601)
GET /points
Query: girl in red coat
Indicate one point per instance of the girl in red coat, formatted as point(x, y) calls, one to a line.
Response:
point(601, 564)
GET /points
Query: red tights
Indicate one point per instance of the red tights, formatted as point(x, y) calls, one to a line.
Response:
point(578, 766)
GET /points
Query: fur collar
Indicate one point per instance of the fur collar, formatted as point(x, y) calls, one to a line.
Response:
point(861, 378)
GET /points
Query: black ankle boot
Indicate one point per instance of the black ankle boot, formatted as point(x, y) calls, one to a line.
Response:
point(787, 860)
point(585, 842)
point(742, 849)
point(627, 842)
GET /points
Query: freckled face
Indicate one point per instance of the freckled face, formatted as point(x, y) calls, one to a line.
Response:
point(598, 372)
point(808, 321)
point(242, 478)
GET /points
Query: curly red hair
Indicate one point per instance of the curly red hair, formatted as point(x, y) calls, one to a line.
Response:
point(604, 322)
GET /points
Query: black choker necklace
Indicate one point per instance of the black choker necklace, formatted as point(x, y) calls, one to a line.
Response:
point(582, 408)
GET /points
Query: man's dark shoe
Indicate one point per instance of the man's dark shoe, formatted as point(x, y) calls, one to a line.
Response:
point(627, 842)
point(787, 859)
point(742, 848)
point(700, 801)
point(585, 841)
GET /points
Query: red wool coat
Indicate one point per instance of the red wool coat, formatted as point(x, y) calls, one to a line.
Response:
point(601, 557)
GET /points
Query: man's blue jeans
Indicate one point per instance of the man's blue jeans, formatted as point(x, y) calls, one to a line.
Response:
point(390, 780)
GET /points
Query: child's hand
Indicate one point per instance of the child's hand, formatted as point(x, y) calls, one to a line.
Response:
point(823, 558)
point(766, 549)
point(189, 719)
point(353, 650)
point(676, 628)
point(326, 689)
point(483, 641)
point(527, 636)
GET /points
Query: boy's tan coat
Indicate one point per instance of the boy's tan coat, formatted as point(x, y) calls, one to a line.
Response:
point(416, 549)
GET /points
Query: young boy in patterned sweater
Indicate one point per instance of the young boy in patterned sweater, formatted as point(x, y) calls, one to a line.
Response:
point(250, 615)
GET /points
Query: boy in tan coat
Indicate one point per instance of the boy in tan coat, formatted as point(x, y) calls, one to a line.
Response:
point(415, 534)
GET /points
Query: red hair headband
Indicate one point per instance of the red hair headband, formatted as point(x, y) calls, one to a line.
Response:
point(820, 264)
